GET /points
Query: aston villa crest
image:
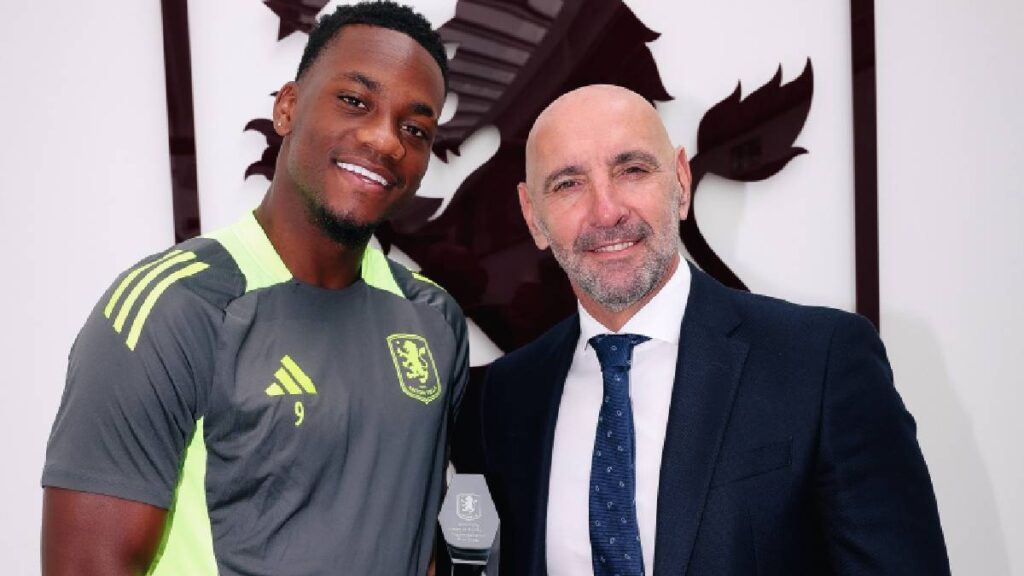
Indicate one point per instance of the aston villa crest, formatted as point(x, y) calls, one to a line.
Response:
point(414, 364)
point(468, 507)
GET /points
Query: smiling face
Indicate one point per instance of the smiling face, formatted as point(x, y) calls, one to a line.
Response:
point(605, 190)
point(358, 127)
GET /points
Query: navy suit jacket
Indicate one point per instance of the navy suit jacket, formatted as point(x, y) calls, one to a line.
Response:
point(788, 450)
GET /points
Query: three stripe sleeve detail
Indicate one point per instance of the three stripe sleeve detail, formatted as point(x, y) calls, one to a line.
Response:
point(174, 258)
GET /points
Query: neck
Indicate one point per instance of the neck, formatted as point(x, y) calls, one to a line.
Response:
point(614, 320)
point(309, 254)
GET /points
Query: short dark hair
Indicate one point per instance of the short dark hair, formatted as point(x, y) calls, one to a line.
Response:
point(381, 13)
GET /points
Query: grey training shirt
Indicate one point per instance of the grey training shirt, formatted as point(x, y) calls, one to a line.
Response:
point(288, 429)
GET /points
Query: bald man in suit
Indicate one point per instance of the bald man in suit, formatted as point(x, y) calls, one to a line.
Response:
point(675, 426)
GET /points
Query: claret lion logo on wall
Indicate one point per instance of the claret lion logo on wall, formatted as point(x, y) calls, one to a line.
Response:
point(513, 57)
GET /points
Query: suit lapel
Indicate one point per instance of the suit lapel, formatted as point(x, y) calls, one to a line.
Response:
point(551, 375)
point(707, 376)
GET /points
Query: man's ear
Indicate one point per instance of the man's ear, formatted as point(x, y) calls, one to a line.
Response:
point(284, 107)
point(685, 179)
point(526, 205)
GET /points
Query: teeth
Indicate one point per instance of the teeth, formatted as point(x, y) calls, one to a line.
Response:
point(615, 247)
point(372, 176)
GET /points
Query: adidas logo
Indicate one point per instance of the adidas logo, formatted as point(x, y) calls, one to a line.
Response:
point(290, 379)
point(169, 268)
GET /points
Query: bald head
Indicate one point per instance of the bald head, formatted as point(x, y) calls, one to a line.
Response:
point(596, 113)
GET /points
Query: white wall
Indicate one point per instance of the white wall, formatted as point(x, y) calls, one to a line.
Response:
point(952, 258)
point(85, 191)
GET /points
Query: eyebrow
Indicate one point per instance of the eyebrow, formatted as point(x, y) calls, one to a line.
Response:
point(633, 156)
point(418, 108)
point(423, 109)
point(370, 84)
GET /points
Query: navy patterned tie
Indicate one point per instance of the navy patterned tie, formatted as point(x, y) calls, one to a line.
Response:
point(614, 535)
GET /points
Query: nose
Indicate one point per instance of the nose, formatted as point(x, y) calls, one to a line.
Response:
point(380, 134)
point(606, 205)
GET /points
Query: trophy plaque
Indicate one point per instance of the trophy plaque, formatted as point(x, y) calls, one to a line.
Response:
point(469, 522)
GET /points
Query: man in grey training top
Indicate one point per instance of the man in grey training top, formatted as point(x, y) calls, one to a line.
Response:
point(275, 397)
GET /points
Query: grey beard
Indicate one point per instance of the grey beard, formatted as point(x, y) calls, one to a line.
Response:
point(616, 298)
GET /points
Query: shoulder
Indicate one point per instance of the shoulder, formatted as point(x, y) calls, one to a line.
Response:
point(780, 315)
point(768, 318)
point(422, 291)
point(541, 354)
point(212, 272)
point(186, 282)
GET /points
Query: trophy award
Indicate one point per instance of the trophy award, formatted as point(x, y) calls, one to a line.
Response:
point(469, 522)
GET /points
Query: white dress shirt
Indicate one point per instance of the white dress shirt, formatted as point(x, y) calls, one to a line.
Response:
point(650, 385)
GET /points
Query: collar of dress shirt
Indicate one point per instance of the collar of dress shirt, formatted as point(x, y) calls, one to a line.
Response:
point(660, 319)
